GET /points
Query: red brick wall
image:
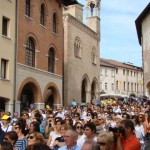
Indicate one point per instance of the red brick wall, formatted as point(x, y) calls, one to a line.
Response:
point(44, 36)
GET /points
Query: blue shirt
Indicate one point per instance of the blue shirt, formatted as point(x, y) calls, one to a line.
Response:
point(76, 147)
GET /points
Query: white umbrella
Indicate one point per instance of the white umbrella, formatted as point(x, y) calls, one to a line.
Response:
point(114, 95)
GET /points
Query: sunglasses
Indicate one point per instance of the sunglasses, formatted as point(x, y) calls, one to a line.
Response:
point(15, 128)
point(101, 143)
point(79, 127)
point(30, 137)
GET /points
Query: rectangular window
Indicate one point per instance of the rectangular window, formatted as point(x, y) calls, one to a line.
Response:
point(131, 73)
point(4, 66)
point(123, 71)
point(27, 10)
point(5, 26)
point(116, 70)
point(112, 73)
point(105, 72)
point(105, 86)
point(112, 87)
point(128, 86)
point(124, 85)
point(128, 72)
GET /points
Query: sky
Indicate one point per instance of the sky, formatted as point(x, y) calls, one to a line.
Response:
point(119, 39)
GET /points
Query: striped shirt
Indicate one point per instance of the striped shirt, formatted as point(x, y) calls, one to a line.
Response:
point(21, 144)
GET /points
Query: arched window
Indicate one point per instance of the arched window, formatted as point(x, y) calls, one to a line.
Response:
point(54, 23)
point(42, 13)
point(30, 52)
point(51, 60)
point(77, 47)
point(27, 11)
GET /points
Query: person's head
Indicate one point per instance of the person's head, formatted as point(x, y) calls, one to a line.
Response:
point(125, 116)
point(16, 114)
point(105, 140)
point(68, 120)
point(6, 119)
point(49, 114)
point(25, 115)
point(4, 145)
point(90, 145)
point(64, 128)
point(11, 137)
point(41, 147)
point(128, 126)
point(59, 109)
point(79, 127)
point(76, 116)
point(34, 127)
point(35, 138)
point(139, 119)
point(19, 126)
point(71, 137)
point(58, 124)
point(89, 129)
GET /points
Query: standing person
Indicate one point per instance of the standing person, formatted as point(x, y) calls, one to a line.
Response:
point(126, 140)
point(19, 128)
point(140, 129)
point(60, 142)
point(70, 138)
point(6, 123)
point(54, 134)
point(74, 103)
point(15, 117)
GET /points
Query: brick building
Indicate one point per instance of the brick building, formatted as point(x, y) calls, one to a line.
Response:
point(39, 53)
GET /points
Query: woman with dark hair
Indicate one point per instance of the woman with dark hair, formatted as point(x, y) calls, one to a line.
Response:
point(34, 127)
point(54, 134)
point(35, 138)
point(19, 127)
point(140, 129)
point(4, 145)
point(68, 120)
point(79, 128)
point(76, 118)
point(11, 137)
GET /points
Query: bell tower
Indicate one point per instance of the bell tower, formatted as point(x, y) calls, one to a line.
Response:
point(93, 15)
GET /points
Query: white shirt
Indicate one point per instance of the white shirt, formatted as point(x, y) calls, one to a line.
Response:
point(9, 128)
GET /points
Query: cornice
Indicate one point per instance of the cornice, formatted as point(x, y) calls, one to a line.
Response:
point(80, 25)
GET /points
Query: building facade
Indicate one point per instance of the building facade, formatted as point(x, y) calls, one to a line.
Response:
point(39, 54)
point(7, 53)
point(120, 78)
point(143, 30)
point(81, 52)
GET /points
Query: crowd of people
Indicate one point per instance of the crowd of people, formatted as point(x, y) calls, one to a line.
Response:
point(120, 125)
